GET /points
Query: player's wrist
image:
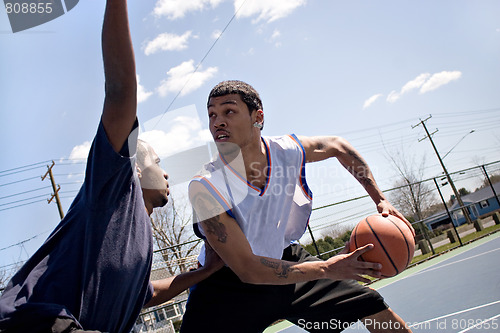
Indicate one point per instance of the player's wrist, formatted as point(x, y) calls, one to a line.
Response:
point(322, 269)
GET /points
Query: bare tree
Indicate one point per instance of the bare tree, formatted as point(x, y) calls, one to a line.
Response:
point(413, 197)
point(174, 236)
point(3, 279)
point(7, 273)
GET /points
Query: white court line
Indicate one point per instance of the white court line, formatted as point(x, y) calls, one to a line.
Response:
point(452, 263)
point(456, 313)
point(480, 324)
point(432, 267)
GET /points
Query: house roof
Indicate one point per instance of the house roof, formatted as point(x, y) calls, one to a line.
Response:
point(479, 195)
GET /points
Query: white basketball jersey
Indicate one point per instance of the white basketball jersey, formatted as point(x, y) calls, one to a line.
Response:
point(273, 217)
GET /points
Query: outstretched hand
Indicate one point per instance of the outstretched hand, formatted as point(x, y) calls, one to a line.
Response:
point(386, 208)
point(346, 265)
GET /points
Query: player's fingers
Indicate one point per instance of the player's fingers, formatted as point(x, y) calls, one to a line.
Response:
point(368, 267)
point(401, 217)
point(411, 228)
point(360, 250)
point(345, 250)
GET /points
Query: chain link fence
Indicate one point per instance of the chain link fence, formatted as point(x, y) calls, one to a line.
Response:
point(446, 223)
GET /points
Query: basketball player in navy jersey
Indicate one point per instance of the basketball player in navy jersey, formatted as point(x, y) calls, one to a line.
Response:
point(253, 204)
point(92, 273)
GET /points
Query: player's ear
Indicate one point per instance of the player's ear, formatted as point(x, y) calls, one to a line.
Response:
point(259, 116)
point(139, 171)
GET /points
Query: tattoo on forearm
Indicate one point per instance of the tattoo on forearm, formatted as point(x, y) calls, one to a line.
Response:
point(282, 269)
point(358, 158)
point(361, 171)
point(365, 181)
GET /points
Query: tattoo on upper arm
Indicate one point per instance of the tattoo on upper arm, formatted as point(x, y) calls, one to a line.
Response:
point(320, 146)
point(281, 268)
point(213, 226)
point(209, 211)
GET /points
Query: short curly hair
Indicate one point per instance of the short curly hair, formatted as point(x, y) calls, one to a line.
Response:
point(248, 94)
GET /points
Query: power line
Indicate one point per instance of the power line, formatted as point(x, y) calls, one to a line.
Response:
point(20, 181)
point(25, 166)
point(25, 204)
point(21, 200)
point(20, 193)
point(465, 113)
point(39, 196)
point(20, 171)
point(24, 241)
point(199, 64)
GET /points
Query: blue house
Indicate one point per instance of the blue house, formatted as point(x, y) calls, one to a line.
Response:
point(481, 202)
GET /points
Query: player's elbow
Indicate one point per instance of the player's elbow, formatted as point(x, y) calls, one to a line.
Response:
point(249, 273)
point(247, 276)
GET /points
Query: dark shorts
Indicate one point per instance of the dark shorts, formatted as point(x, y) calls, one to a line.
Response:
point(56, 325)
point(222, 303)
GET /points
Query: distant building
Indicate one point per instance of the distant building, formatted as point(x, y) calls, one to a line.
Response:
point(481, 202)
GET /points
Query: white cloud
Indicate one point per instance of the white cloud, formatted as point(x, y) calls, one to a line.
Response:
point(185, 133)
point(142, 94)
point(80, 152)
point(425, 82)
point(216, 34)
point(250, 52)
point(266, 10)
point(371, 100)
point(183, 77)
point(439, 79)
point(415, 83)
point(167, 42)
point(276, 34)
point(174, 9)
point(393, 96)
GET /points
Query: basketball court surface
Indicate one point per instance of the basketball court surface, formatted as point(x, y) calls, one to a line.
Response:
point(456, 292)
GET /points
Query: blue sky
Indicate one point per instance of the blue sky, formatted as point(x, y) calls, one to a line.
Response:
point(365, 70)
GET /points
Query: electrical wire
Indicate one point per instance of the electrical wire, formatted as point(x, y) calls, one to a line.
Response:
point(199, 64)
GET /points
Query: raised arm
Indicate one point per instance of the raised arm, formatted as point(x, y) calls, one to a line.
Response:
point(319, 148)
point(120, 103)
point(225, 236)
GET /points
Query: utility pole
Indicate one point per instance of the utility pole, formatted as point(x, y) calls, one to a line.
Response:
point(450, 181)
point(56, 190)
point(491, 185)
point(448, 212)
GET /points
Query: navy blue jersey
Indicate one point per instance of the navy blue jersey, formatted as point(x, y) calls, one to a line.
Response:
point(95, 265)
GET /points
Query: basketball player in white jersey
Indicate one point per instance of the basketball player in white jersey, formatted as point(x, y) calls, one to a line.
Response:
point(253, 204)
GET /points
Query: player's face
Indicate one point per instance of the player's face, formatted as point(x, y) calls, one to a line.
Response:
point(231, 122)
point(154, 181)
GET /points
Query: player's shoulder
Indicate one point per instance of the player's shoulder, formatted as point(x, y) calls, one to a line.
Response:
point(287, 141)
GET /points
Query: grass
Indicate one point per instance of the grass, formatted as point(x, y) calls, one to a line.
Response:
point(449, 246)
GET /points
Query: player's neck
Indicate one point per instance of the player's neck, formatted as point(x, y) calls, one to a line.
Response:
point(256, 163)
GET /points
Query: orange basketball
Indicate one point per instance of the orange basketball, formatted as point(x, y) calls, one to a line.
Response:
point(392, 239)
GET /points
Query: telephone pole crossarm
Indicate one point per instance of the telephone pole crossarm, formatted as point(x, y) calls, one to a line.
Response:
point(54, 188)
point(450, 181)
